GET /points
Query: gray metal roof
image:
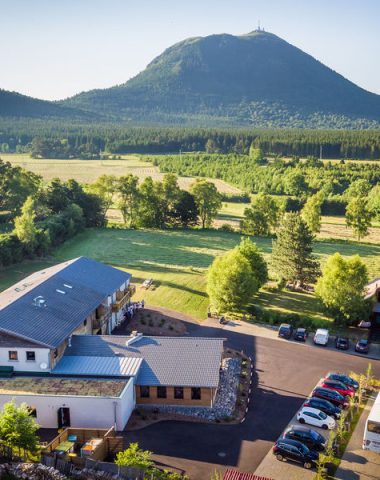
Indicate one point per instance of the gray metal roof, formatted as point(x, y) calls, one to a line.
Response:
point(99, 366)
point(71, 294)
point(170, 361)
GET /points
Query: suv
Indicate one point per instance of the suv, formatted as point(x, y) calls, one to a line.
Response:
point(340, 377)
point(321, 337)
point(285, 449)
point(285, 330)
point(324, 405)
point(307, 436)
point(342, 343)
point(301, 334)
point(331, 395)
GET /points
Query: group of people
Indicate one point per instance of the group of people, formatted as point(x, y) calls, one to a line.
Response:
point(132, 307)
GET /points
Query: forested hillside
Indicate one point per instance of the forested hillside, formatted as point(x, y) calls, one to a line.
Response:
point(52, 139)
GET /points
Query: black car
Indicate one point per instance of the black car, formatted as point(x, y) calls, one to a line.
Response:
point(324, 405)
point(342, 343)
point(307, 436)
point(332, 396)
point(344, 379)
point(362, 346)
point(285, 449)
point(285, 330)
point(300, 334)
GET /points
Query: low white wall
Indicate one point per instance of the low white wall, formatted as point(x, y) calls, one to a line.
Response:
point(22, 364)
point(85, 412)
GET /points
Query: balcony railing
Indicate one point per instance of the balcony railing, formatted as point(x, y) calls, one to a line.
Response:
point(124, 298)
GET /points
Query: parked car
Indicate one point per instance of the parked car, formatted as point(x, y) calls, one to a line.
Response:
point(309, 437)
point(327, 407)
point(285, 449)
point(285, 330)
point(301, 334)
point(321, 337)
point(362, 346)
point(342, 343)
point(340, 387)
point(332, 396)
point(315, 417)
point(344, 379)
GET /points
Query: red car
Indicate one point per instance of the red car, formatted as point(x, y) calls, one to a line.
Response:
point(338, 387)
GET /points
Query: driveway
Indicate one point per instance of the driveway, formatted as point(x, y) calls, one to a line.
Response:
point(285, 373)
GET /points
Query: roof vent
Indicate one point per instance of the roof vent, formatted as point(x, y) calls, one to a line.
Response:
point(60, 291)
point(39, 301)
point(67, 285)
point(135, 336)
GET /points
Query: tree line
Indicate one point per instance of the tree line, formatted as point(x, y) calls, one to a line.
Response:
point(52, 139)
point(40, 216)
point(234, 278)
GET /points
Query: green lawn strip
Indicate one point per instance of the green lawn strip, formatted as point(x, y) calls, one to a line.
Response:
point(177, 261)
point(346, 439)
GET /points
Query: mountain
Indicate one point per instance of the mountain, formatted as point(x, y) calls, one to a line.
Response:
point(255, 79)
point(14, 104)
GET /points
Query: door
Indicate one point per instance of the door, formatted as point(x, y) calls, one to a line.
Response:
point(63, 417)
point(312, 419)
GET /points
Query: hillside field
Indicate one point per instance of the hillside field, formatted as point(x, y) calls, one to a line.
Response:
point(87, 171)
point(177, 263)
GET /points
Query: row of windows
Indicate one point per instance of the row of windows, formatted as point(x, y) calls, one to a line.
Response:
point(30, 356)
point(178, 392)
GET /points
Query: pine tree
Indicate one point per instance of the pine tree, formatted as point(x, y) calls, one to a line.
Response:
point(292, 257)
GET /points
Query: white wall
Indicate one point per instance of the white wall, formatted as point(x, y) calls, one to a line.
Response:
point(22, 364)
point(85, 412)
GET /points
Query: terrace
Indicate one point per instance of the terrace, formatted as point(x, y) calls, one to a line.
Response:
point(61, 386)
point(76, 445)
point(122, 297)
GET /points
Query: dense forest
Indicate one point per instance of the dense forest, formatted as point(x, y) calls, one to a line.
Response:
point(51, 139)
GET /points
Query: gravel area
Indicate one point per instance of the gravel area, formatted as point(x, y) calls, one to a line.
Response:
point(225, 400)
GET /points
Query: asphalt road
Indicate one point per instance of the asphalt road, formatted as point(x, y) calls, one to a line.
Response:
point(284, 375)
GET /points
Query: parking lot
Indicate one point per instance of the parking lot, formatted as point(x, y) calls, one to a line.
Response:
point(285, 373)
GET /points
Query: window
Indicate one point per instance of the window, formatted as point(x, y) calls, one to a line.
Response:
point(373, 427)
point(13, 355)
point(161, 392)
point(178, 393)
point(85, 322)
point(144, 391)
point(31, 356)
point(32, 412)
point(195, 393)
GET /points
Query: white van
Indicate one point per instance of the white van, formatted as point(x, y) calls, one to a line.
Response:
point(321, 337)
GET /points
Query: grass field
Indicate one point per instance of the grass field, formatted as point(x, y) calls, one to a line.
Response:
point(177, 262)
point(331, 227)
point(87, 171)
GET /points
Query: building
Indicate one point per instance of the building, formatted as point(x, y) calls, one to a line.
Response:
point(166, 370)
point(40, 314)
point(56, 347)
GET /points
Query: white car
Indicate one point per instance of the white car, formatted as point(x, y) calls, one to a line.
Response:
point(321, 337)
point(315, 417)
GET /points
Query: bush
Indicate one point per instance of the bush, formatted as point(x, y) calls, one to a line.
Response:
point(226, 227)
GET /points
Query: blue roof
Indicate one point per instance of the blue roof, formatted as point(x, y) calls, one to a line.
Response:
point(71, 292)
point(95, 275)
point(167, 361)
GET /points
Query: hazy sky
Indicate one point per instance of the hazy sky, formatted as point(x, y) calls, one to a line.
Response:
point(52, 49)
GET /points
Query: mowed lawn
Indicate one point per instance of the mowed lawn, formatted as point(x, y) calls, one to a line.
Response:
point(177, 262)
point(87, 171)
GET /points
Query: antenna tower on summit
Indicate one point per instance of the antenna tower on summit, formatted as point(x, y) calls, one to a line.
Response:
point(258, 26)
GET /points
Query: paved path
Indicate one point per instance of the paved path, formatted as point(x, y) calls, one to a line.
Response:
point(359, 464)
point(285, 373)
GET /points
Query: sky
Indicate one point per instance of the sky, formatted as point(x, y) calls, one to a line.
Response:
point(53, 49)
